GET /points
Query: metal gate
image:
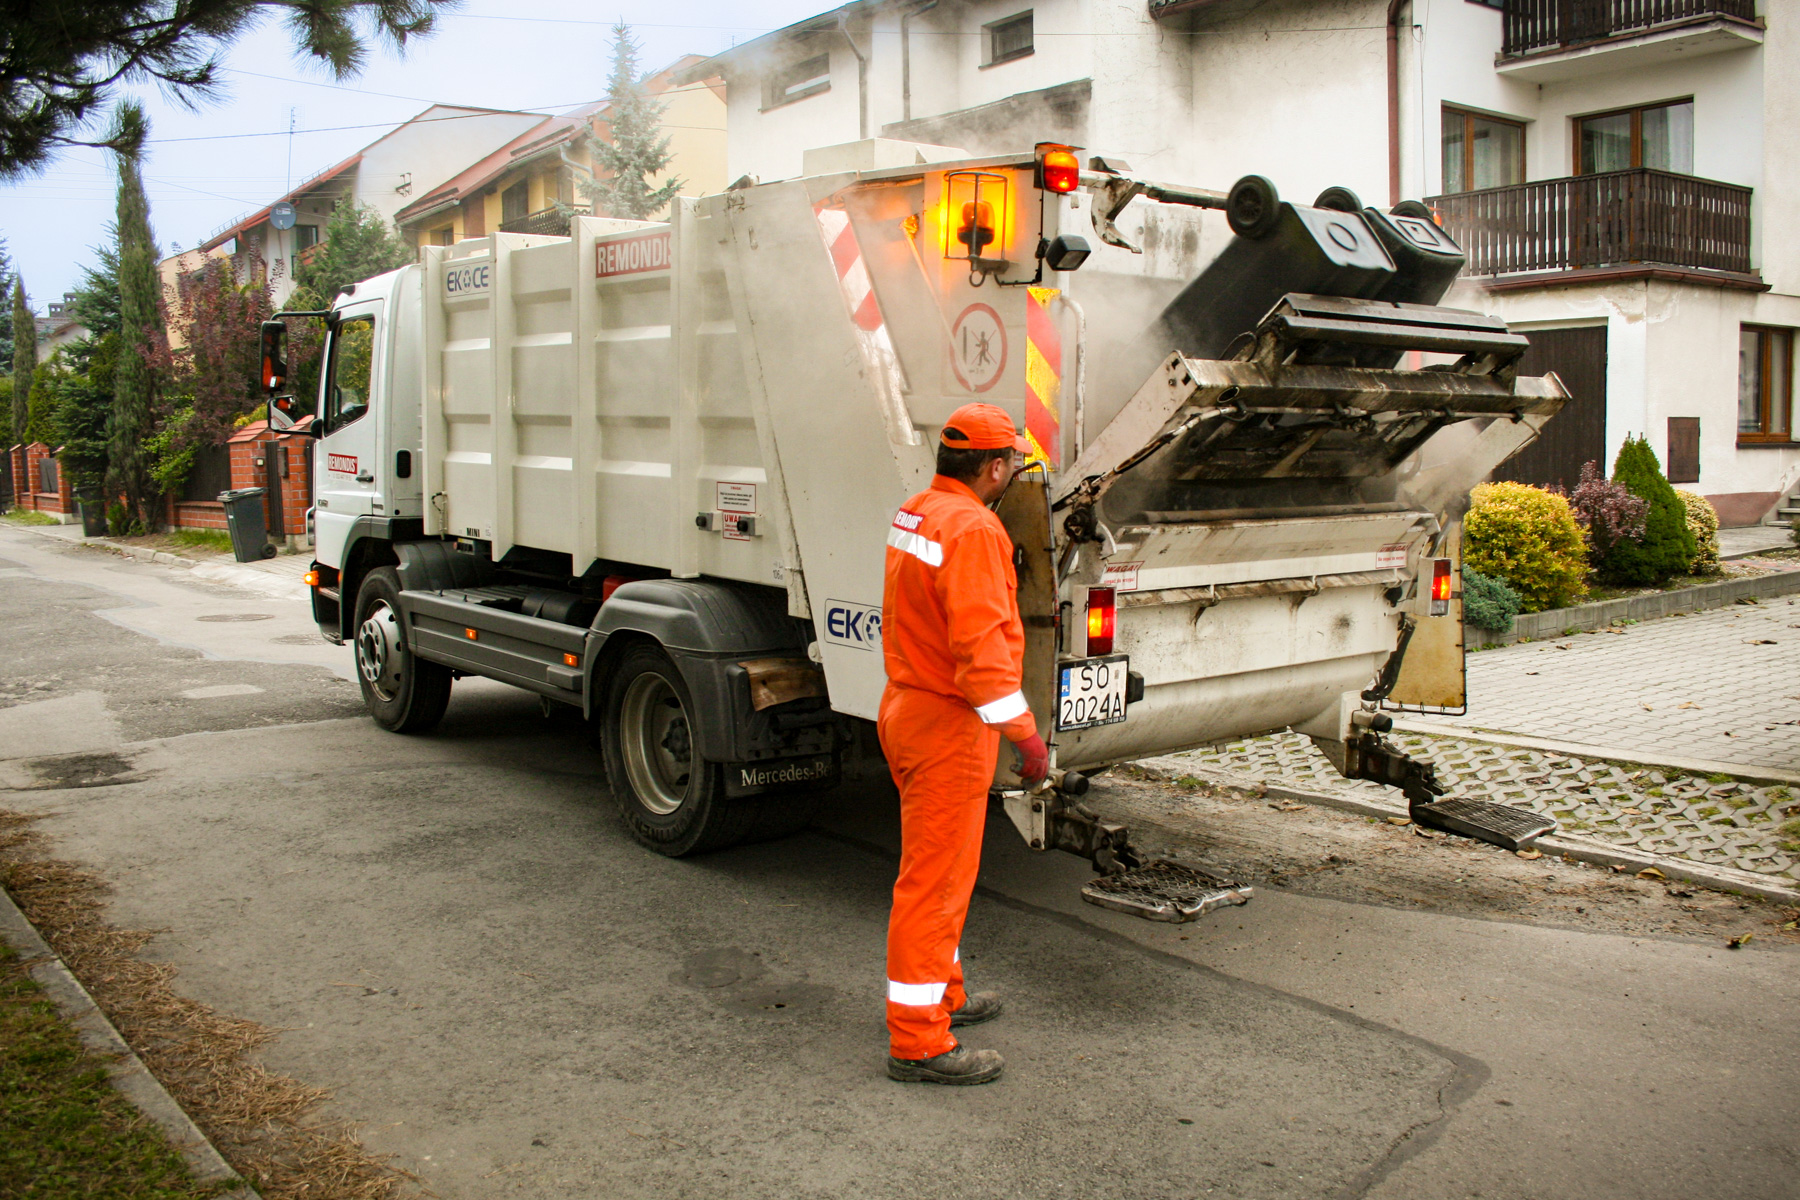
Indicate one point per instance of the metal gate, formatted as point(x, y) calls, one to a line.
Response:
point(1578, 433)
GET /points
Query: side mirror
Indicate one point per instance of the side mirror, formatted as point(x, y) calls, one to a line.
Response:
point(274, 360)
point(286, 413)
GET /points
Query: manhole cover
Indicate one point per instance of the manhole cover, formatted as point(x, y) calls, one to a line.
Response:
point(299, 639)
point(237, 617)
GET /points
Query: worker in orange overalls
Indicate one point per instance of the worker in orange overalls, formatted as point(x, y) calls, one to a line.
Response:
point(954, 647)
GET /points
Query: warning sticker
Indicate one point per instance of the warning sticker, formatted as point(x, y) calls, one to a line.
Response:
point(1121, 576)
point(737, 498)
point(733, 526)
point(1390, 556)
point(978, 347)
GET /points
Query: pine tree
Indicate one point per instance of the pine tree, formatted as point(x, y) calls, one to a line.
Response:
point(6, 286)
point(24, 359)
point(142, 340)
point(635, 152)
point(1667, 547)
point(358, 244)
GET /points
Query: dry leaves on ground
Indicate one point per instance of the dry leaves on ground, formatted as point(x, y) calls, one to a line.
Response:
point(260, 1121)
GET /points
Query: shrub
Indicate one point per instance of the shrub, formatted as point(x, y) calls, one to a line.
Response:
point(1703, 523)
point(1487, 602)
point(1667, 547)
point(1529, 538)
point(1607, 511)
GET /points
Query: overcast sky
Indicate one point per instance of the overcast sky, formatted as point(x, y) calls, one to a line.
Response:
point(202, 172)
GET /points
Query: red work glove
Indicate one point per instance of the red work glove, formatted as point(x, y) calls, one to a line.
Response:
point(1034, 761)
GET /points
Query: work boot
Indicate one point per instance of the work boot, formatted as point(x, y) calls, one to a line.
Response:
point(957, 1065)
point(982, 1006)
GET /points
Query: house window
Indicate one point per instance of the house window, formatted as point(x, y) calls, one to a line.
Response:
point(515, 202)
point(797, 81)
point(305, 236)
point(443, 237)
point(1481, 152)
point(1660, 136)
point(1765, 384)
point(1008, 39)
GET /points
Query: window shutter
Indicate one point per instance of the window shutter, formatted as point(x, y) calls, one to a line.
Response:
point(1684, 449)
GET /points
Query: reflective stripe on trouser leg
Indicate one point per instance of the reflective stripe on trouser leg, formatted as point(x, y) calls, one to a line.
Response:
point(942, 758)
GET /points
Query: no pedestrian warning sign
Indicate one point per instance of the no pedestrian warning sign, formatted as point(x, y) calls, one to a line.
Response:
point(978, 347)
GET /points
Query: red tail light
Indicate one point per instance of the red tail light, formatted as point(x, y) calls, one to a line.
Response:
point(1440, 587)
point(1102, 615)
point(1058, 169)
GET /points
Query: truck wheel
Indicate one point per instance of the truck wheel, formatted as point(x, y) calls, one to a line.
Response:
point(403, 692)
point(670, 798)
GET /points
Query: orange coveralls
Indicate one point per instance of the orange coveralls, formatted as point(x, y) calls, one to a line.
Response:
point(953, 645)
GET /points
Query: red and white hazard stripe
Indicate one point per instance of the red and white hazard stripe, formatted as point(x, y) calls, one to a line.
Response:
point(853, 274)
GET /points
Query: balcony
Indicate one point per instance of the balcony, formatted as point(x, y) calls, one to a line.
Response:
point(1549, 40)
point(1640, 217)
point(553, 222)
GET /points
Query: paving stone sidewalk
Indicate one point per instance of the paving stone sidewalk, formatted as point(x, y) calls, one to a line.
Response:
point(1720, 686)
point(1718, 821)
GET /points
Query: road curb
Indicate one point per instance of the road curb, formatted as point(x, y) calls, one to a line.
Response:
point(1544, 626)
point(1728, 879)
point(127, 1071)
point(1692, 766)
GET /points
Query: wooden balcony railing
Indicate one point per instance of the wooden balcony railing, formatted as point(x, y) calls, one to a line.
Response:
point(1533, 26)
point(1619, 217)
point(552, 221)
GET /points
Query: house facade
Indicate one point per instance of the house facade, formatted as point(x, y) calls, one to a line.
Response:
point(532, 183)
point(386, 175)
point(1605, 165)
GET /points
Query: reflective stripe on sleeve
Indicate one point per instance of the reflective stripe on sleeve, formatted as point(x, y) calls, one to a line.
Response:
point(996, 712)
point(922, 548)
point(916, 995)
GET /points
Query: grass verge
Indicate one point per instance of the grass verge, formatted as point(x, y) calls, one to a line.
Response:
point(27, 516)
point(202, 539)
point(263, 1123)
point(67, 1131)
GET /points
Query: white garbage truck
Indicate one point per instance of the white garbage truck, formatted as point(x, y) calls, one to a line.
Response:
point(647, 470)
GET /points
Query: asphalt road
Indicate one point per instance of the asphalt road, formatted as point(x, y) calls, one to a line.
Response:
point(460, 943)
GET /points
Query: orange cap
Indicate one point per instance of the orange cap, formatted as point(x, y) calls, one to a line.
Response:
point(982, 427)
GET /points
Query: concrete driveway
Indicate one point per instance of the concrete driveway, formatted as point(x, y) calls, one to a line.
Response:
point(461, 943)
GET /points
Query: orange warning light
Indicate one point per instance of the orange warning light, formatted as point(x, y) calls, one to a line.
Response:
point(571, 660)
point(975, 215)
point(1058, 170)
point(471, 635)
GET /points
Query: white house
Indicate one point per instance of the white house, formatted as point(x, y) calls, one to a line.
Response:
point(386, 175)
point(1604, 165)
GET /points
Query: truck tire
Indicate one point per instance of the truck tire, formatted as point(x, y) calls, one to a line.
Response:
point(403, 692)
point(670, 798)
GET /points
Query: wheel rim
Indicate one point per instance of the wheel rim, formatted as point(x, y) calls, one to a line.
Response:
point(378, 653)
point(657, 742)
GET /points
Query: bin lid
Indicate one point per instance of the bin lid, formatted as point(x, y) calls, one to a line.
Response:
point(240, 493)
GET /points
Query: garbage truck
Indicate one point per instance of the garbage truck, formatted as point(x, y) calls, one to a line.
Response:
point(647, 471)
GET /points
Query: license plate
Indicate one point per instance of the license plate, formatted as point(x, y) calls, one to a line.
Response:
point(1092, 692)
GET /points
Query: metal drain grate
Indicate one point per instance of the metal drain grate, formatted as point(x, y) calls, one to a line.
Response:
point(237, 617)
point(1165, 891)
point(1498, 824)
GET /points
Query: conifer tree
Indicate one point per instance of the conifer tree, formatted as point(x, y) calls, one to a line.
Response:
point(1667, 546)
point(24, 359)
point(142, 340)
point(6, 287)
point(623, 166)
point(357, 243)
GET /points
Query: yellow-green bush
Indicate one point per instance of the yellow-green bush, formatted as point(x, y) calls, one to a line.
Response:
point(1528, 537)
point(1703, 523)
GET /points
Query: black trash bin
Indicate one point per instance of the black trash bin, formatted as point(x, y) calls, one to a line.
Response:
point(249, 526)
point(93, 513)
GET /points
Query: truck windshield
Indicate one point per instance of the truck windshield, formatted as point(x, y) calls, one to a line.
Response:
point(352, 361)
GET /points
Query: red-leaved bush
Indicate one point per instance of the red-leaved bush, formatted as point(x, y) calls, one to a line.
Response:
point(1607, 512)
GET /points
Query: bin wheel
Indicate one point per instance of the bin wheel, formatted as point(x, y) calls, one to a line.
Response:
point(403, 692)
point(268, 550)
point(670, 798)
point(1253, 207)
point(1339, 199)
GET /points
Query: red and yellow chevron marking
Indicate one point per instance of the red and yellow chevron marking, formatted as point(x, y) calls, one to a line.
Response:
point(1043, 378)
